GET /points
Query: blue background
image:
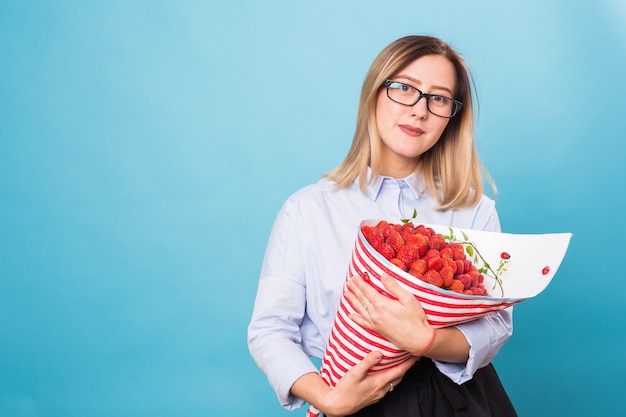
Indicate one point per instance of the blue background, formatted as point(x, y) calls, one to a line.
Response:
point(146, 146)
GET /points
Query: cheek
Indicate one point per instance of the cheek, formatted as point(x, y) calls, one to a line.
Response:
point(442, 126)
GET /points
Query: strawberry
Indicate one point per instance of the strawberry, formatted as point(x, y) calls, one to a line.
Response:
point(447, 274)
point(408, 254)
point(419, 266)
point(460, 266)
point(467, 265)
point(416, 274)
point(433, 263)
point(387, 251)
point(433, 277)
point(395, 240)
point(458, 251)
point(437, 241)
point(477, 291)
point(421, 229)
point(420, 240)
point(397, 262)
point(381, 225)
point(457, 286)
point(465, 279)
point(448, 263)
point(388, 230)
point(446, 252)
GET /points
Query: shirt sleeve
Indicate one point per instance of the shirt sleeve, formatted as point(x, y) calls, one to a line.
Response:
point(274, 335)
point(488, 334)
point(485, 336)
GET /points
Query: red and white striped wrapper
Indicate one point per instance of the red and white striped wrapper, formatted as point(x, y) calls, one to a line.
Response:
point(534, 261)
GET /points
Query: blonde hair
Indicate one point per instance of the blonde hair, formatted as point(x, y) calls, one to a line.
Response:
point(451, 169)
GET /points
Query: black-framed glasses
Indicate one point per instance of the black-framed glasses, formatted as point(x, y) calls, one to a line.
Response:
point(408, 95)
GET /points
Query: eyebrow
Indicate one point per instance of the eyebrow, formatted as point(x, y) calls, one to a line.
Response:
point(434, 87)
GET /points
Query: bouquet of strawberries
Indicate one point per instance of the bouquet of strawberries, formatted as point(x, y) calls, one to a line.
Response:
point(458, 275)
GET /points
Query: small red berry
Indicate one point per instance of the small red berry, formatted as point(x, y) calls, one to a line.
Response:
point(545, 270)
point(433, 278)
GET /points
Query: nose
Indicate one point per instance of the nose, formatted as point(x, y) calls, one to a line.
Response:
point(420, 108)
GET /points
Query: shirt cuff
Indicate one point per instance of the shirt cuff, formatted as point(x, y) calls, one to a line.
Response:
point(287, 379)
point(485, 336)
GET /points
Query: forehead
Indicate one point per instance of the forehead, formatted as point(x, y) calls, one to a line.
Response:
point(430, 71)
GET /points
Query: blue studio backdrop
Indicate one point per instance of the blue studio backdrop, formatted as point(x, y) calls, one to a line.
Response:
point(146, 146)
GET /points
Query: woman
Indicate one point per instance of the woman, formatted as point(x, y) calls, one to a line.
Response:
point(413, 150)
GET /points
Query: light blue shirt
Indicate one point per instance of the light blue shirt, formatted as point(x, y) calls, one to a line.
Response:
point(305, 267)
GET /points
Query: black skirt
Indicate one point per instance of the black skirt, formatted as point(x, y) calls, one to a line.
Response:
point(426, 392)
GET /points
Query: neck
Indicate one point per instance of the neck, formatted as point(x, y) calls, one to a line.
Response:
point(399, 169)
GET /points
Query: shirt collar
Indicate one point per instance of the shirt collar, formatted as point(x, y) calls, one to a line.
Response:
point(413, 183)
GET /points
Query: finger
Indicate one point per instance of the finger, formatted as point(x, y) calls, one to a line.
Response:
point(371, 359)
point(356, 286)
point(394, 288)
point(357, 301)
point(365, 291)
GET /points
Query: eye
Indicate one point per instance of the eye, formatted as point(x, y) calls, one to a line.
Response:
point(439, 99)
point(406, 88)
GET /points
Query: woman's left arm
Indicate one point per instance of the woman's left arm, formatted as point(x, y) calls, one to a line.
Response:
point(463, 348)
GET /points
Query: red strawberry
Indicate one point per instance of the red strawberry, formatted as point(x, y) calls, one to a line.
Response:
point(407, 228)
point(381, 225)
point(477, 291)
point(460, 266)
point(419, 266)
point(446, 252)
point(388, 230)
point(408, 254)
point(448, 263)
point(387, 251)
point(467, 265)
point(465, 279)
point(417, 239)
point(433, 277)
point(457, 286)
point(395, 240)
point(416, 274)
point(437, 241)
point(421, 229)
point(434, 263)
point(458, 251)
point(397, 262)
point(447, 274)
point(373, 236)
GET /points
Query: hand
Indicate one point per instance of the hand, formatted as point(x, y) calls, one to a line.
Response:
point(358, 389)
point(402, 321)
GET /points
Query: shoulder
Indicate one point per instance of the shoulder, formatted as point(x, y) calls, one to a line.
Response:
point(485, 215)
point(319, 190)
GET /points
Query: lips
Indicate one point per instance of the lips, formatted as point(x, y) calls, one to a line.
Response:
point(411, 131)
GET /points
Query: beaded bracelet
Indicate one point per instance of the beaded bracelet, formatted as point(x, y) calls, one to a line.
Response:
point(428, 346)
